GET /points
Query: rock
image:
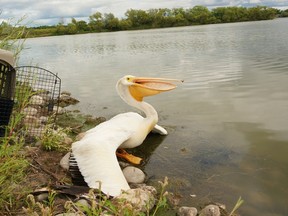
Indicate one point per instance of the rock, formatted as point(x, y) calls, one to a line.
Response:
point(45, 96)
point(210, 210)
point(38, 143)
point(133, 175)
point(64, 162)
point(42, 196)
point(84, 203)
point(36, 132)
point(36, 100)
point(66, 100)
point(105, 213)
point(43, 119)
point(123, 164)
point(174, 199)
point(67, 140)
point(68, 214)
point(145, 187)
point(221, 206)
point(139, 199)
point(187, 211)
point(59, 110)
point(30, 111)
point(94, 121)
point(80, 136)
point(31, 121)
point(66, 93)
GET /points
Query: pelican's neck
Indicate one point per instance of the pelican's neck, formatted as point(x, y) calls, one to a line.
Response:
point(149, 111)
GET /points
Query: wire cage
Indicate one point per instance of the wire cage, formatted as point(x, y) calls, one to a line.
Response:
point(7, 88)
point(37, 96)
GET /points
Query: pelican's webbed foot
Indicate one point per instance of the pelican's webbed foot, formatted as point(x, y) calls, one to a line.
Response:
point(129, 157)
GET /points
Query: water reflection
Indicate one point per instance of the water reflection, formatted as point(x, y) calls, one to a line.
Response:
point(148, 147)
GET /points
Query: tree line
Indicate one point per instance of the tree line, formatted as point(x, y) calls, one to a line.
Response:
point(157, 18)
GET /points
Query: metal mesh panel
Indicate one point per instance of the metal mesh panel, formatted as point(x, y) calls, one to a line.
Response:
point(37, 97)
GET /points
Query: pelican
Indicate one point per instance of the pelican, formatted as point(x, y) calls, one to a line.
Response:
point(94, 156)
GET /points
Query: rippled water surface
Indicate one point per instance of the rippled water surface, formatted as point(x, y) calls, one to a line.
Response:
point(227, 124)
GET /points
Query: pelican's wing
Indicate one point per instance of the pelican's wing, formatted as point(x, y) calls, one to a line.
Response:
point(96, 158)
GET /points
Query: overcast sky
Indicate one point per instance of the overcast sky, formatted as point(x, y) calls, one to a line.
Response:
point(50, 12)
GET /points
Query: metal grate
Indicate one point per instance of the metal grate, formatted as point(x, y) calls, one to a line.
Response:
point(37, 97)
point(7, 87)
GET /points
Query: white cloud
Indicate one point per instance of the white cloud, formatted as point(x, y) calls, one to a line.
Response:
point(43, 12)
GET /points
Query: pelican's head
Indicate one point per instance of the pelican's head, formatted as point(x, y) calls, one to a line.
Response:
point(140, 87)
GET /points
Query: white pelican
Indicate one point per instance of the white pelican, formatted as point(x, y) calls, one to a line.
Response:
point(94, 155)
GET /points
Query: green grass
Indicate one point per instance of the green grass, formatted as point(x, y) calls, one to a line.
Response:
point(12, 171)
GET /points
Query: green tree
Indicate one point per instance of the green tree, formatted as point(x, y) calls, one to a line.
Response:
point(71, 29)
point(96, 22)
point(218, 13)
point(284, 13)
point(199, 15)
point(81, 26)
point(261, 13)
point(125, 24)
point(138, 18)
point(161, 18)
point(111, 22)
point(179, 15)
point(235, 14)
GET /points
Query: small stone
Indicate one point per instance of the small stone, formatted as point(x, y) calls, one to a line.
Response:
point(84, 203)
point(66, 93)
point(106, 213)
point(36, 100)
point(31, 121)
point(66, 100)
point(221, 205)
point(210, 210)
point(67, 140)
point(123, 164)
point(174, 199)
point(68, 214)
point(41, 197)
point(64, 162)
point(45, 96)
point(145, 187)
point(38, 143)
point(80, 136)
point(35, 132)
point(43, 119)
point(59, 110)
point(134, 175)
point(187, 211)
point(138, 198)
point(30, 111)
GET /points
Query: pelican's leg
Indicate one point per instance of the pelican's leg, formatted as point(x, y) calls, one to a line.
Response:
point(129, 157)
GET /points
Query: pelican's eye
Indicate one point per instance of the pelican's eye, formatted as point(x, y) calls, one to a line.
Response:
point(128, 79)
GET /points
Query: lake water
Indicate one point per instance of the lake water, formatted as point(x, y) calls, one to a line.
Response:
point(227, 123)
